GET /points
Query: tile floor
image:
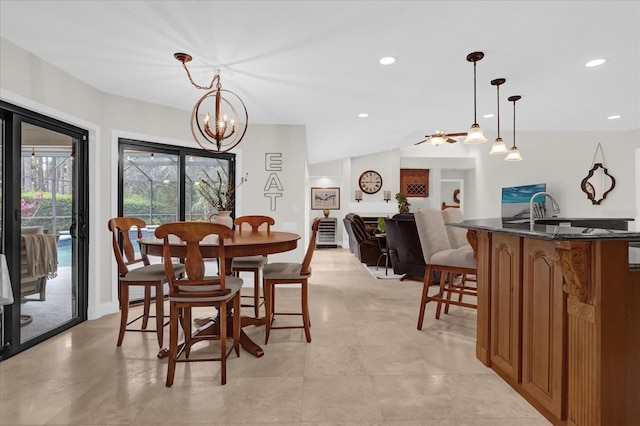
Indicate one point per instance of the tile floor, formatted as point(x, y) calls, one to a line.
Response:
point(367, 365)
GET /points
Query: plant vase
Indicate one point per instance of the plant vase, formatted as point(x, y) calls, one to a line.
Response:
point(224, 218)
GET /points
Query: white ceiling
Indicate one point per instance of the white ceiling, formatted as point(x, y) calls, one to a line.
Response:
point(315, 63)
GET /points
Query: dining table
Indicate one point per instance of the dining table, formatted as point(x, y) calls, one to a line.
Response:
point(243, 243)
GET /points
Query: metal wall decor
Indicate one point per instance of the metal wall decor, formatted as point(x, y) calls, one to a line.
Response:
point(598, 182)
point(219, 118)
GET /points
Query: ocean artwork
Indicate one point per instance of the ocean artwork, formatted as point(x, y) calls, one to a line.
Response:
point(515, 200)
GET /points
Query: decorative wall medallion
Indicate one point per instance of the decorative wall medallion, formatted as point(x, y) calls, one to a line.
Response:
point(598, 182)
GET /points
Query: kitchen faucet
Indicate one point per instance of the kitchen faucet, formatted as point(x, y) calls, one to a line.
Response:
point(554, 206)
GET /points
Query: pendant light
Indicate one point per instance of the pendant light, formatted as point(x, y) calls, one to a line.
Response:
point(475, 135)
point(498, 146)
point(514, 154)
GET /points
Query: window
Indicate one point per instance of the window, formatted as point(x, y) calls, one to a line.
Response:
point(161, 183)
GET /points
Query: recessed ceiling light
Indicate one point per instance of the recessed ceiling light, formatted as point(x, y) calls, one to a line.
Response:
point(613, 117)
point(595, 63)
point(387, 60)
point(488, 116)
point(363, 115)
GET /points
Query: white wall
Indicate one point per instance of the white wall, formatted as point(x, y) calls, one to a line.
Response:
point(27, 81)
point(561, 160)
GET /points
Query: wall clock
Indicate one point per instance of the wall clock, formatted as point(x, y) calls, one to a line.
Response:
point(370, 182)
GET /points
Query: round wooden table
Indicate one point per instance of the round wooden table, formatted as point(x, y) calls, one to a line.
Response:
point(245, 243)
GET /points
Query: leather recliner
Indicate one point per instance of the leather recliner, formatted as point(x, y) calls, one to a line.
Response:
point(364, 246)
point(404, 247)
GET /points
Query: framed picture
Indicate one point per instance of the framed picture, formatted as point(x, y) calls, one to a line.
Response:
point(325, 198)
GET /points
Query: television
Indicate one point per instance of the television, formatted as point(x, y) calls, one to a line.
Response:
point(515, 201)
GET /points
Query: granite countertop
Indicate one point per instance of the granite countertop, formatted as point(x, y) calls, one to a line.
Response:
point(559, 233)
point(547, 232)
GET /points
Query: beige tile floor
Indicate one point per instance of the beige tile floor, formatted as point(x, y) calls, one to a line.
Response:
point(367, 365)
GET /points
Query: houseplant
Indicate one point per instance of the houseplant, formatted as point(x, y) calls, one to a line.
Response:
point(403, 203)
point(219, 197)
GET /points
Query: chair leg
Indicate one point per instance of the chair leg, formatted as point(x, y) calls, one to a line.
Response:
point(305, 311)
point(425, 293)
point(267, 307)
point(159, 313)
point(236, 324)
point(256, 293)
point(173, 343)
point(450, 285)
point(443, 280)
point(124, 311)
point(223, 342)
point(147, 305)
point(186, 327)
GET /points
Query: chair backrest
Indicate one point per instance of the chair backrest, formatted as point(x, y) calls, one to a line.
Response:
point(120, 227)
point(402, 237)
point(457, 236)
point(191, 234)
point(306, 262)
point(357, 226)
point(432, 232)
point(255, 222)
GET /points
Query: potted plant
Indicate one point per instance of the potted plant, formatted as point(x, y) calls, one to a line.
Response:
point(403, 203)
point(218, 195)
point(382, 227)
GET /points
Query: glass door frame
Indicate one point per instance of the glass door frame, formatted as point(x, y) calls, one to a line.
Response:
point(13, 117)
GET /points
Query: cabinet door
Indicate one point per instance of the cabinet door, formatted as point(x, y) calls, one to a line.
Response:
point(506, 304)
point(543, 325)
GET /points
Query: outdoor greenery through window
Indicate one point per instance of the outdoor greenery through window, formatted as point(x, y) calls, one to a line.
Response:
point(46, 198)
point(162, 184)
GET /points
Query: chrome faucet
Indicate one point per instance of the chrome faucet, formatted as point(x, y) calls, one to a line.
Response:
point(554, 206)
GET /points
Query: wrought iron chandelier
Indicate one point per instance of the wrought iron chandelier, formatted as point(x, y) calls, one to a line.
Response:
point(223, 128)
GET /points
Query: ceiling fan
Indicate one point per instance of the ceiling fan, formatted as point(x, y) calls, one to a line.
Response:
point(440, 137)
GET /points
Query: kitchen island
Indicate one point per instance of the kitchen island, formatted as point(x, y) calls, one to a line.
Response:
point(559, 317)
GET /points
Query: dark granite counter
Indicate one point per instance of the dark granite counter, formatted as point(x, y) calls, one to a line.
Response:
point(554, 232)
point(547, 232)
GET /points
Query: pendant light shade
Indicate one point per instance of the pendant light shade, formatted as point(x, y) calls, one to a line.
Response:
point(514, 153)
point(498, 146)
point(475, 135)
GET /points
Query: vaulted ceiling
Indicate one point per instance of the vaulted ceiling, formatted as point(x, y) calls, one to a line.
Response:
point(315, 63)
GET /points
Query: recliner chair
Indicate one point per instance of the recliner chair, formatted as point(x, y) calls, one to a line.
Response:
point(364, 246)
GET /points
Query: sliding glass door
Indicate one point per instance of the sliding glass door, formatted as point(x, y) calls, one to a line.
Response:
point(45, 226)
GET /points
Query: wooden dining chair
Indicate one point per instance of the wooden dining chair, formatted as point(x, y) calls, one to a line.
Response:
point(253, 264)
point(197, 290)
point(135, 270)
point(441, 257)
point(289, 273)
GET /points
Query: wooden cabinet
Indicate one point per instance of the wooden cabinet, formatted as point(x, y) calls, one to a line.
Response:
point(558, 320)
point(414, 182)
point(543, 325)
point(327, 231)
point(506, 302)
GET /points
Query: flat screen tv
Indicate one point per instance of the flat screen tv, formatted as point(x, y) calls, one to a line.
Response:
point(515, 200)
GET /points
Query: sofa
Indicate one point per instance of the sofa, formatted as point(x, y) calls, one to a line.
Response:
point(362, 244)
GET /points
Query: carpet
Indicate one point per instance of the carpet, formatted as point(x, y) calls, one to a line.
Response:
point(380, 273)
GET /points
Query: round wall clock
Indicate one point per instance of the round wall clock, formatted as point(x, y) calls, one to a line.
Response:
point(370, 182)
